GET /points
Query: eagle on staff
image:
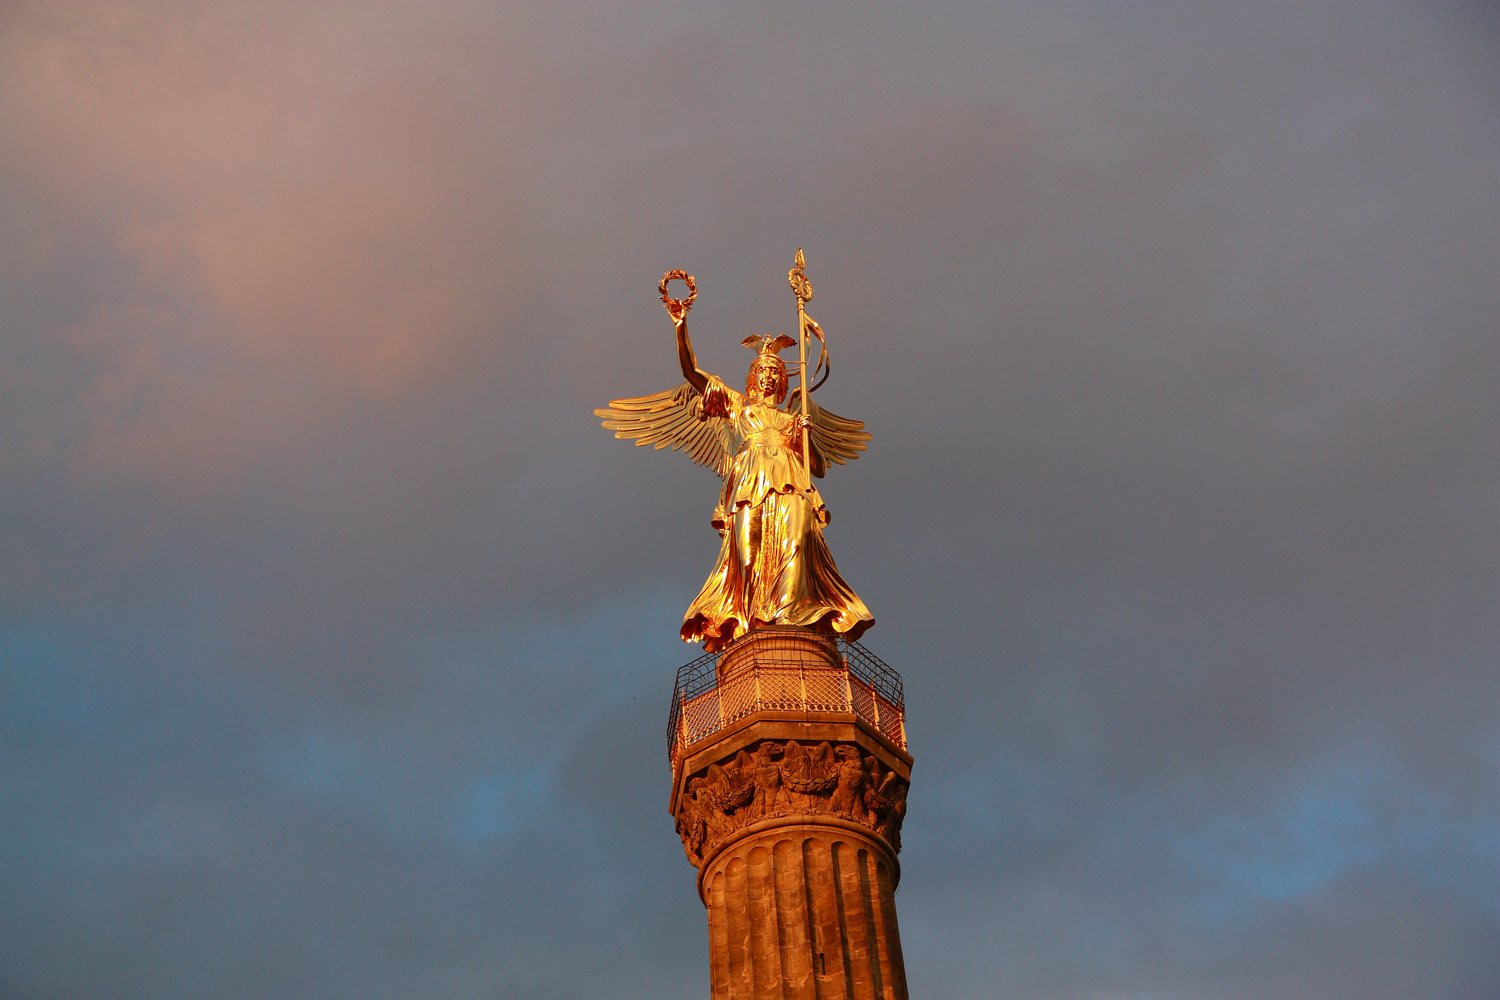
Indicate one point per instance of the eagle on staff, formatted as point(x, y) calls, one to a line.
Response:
point(774, 567)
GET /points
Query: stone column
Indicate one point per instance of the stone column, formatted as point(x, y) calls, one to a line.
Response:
point(792, 815)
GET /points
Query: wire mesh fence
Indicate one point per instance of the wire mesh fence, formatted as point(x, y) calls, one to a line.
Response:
point(775, 672)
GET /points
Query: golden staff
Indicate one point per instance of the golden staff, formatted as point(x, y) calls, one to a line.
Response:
point(802, 288)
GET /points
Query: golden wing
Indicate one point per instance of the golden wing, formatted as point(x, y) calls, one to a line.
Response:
point(671, 419)
point(832, 438)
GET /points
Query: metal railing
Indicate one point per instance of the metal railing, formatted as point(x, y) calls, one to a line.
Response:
point(779, 675)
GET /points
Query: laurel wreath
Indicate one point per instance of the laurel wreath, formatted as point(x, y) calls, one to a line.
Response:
point(801, 287)
point(810, 786)
point(682, 305)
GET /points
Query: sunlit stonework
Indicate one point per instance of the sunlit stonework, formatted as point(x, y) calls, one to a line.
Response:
point(787, 739)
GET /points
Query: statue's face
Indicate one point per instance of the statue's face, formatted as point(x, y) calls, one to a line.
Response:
point(767, 379)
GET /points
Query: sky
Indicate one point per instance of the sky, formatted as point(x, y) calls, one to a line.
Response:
point(337, 638)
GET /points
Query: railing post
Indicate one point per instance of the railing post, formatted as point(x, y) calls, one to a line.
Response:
point(678, 724)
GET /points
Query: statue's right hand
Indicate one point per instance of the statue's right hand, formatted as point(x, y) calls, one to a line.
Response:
point(677, 308)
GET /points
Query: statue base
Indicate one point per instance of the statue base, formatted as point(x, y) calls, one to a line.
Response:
point(791, 809)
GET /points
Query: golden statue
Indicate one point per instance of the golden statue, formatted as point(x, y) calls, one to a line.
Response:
point(773, 565)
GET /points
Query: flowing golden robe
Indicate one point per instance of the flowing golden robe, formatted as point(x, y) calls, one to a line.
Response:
point(773, 565)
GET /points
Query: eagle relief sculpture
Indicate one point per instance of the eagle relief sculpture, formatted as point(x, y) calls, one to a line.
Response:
point(774, 567)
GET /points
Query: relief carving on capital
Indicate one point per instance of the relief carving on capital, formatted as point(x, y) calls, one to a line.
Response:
point(787, 778)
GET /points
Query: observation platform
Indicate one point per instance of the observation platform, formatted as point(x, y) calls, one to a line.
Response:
point(794, 673)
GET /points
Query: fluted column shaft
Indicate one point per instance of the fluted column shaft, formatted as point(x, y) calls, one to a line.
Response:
point(803, 911)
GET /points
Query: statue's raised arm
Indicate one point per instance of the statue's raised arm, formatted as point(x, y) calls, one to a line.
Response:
point(673, 418)
point(695, 377)
point(774, 566)
point(678, 310)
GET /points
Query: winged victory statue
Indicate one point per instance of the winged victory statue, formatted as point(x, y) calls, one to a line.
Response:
point(774, 567)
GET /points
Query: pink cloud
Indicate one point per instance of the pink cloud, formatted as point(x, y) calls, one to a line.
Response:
point(288, 214)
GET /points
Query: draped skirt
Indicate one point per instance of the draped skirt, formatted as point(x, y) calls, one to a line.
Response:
point(773, 569)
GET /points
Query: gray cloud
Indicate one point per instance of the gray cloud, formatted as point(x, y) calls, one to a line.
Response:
point(335, 637)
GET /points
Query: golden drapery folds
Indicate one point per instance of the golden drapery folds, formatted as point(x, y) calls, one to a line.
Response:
point(773, 565)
